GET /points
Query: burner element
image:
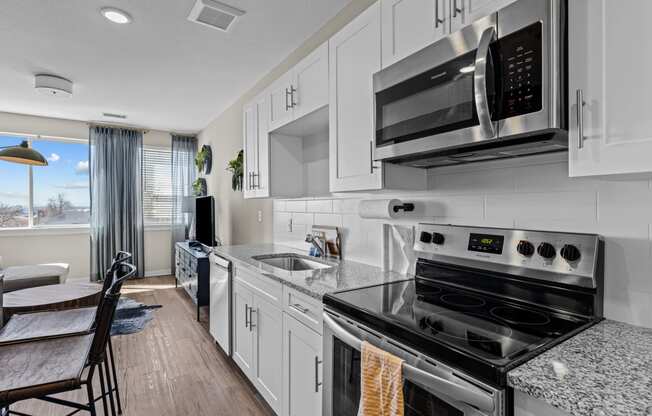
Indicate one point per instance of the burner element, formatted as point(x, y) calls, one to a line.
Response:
point(463, 301)
point(519, 316)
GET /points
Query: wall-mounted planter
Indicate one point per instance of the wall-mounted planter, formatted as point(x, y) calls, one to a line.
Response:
point(199, 187)
point(204, 160)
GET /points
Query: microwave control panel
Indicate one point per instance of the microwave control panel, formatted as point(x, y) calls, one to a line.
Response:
point(518, 57)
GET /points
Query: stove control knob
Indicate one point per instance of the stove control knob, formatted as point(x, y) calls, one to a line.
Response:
point(438, 238)
point(525, 248)
point(546, 250)
point(425, 237)
point(570, 253)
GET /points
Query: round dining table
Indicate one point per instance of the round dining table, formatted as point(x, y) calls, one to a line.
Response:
point(51, 297)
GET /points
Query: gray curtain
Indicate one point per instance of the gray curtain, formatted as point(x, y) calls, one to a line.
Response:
point(116, 187)
point(184, 150)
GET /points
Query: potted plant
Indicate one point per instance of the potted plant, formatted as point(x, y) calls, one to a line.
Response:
point(236, 168)
point(204, 159)
point(199, 187)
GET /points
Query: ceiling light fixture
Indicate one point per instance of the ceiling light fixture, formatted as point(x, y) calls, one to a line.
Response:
point(116, 15)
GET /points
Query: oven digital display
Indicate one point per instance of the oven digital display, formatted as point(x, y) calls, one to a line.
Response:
point(485, 243)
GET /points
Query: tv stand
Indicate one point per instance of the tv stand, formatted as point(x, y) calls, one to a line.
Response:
point(192, 272)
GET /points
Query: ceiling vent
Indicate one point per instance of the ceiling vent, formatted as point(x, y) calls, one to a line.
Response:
point(214, 14)
point(53, 85)
point(114, 115)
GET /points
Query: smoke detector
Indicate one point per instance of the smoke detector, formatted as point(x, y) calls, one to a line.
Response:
point(53, 85)
point(214, 14)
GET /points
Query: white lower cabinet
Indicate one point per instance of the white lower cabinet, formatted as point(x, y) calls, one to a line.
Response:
point(276, 343)
point(267, 322)
point(302, 369)
point(243, 337)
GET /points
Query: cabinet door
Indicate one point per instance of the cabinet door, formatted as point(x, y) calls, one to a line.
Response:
point(614, 81)
point(354, 57)
point(302, 369)
point(267, 320)
point(409, 25)
point(280, 109)
point(250, 146)
point(261, 173)
point(243, 334)
point(310, 80)
point(464, 12)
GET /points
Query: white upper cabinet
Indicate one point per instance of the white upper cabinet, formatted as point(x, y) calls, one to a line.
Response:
point(611, 131)
point(310, 83)
point(279, 96)
point(256, 148)
point(354, 58)
point(464, 12)
point(409, 25)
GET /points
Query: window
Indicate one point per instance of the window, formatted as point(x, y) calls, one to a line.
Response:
point(157, 184)
point(57, 194)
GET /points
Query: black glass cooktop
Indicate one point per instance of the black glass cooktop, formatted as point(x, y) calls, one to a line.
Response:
point(454, 324)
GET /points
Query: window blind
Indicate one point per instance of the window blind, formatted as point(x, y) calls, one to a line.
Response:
point(157, 184)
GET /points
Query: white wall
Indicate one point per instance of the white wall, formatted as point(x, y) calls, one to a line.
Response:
point(533, 193)
point(20, 247)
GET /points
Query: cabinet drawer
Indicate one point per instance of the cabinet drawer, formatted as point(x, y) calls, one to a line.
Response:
point(304, 308)
point(269, 288)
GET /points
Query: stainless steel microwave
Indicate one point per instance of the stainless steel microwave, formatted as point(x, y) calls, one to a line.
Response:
point(494, 89)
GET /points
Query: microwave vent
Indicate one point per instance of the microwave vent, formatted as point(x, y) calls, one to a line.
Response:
point(214, 14)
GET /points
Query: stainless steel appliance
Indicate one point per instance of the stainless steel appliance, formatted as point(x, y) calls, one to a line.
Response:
point(484, 300)
point(494, 89)
point(220, 301)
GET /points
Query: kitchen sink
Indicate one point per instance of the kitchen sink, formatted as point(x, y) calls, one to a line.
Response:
point(292, 262)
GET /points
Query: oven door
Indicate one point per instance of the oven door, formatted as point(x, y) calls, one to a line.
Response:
point(429, 388)
point(442, 96)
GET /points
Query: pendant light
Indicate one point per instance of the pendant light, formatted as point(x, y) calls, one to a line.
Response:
point(22, 154)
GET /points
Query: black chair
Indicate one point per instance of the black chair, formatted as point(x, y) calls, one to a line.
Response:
point(38, 369)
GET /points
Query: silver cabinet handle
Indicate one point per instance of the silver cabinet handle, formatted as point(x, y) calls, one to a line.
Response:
point(246, 316)
point(580, 118)
point(317, 383)
point(292, 91)
point(457, 10)
point(300, 308)
point(371, 157)
point(287, 103)
point(482, 56)
point(438, 21)
point(251, 319)
point(255, 180)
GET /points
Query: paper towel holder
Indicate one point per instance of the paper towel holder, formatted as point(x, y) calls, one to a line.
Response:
point(406, 207)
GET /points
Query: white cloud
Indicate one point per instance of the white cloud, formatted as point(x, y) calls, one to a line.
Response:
point(74, 185)
point(82, 167)
point(53, 157)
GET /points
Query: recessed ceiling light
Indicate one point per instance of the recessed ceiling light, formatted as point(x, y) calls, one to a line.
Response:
point(116, 15)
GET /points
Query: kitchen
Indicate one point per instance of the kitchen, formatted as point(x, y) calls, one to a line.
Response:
point(564, 154)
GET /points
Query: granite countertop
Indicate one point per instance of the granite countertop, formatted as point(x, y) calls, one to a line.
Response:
point(603, 371)
point(344, 274)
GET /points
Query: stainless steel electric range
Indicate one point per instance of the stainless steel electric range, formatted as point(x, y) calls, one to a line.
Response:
point(484, 300)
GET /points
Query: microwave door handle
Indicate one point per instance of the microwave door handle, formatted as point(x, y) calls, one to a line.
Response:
point(480, 83)
point(436, 385)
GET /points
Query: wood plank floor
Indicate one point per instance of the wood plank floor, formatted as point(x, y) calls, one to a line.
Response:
point(173, 367)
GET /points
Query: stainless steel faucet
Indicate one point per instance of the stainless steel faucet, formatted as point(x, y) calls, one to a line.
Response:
point(327, 240)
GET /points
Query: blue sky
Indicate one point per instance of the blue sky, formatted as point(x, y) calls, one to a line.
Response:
point(66, 173)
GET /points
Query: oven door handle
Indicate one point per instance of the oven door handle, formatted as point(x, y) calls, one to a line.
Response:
point(480, 83)
point(436, 385)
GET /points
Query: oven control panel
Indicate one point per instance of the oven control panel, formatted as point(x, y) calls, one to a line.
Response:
point(519, 59)
point(570, 254)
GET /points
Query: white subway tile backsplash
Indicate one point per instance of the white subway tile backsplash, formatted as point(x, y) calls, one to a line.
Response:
point(319, 205)
point(295, 206)
point(508, 194)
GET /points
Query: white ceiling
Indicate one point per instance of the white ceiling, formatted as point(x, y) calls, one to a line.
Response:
point(162, 71)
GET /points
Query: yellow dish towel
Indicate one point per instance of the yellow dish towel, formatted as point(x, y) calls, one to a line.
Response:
point(382, 383)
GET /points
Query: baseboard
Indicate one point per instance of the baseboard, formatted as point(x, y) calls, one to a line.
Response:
point(154, 273)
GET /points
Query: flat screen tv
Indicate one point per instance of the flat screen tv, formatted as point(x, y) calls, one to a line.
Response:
point(205, 220)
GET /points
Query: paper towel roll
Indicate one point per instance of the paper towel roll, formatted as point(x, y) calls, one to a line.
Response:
point(379, 208)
